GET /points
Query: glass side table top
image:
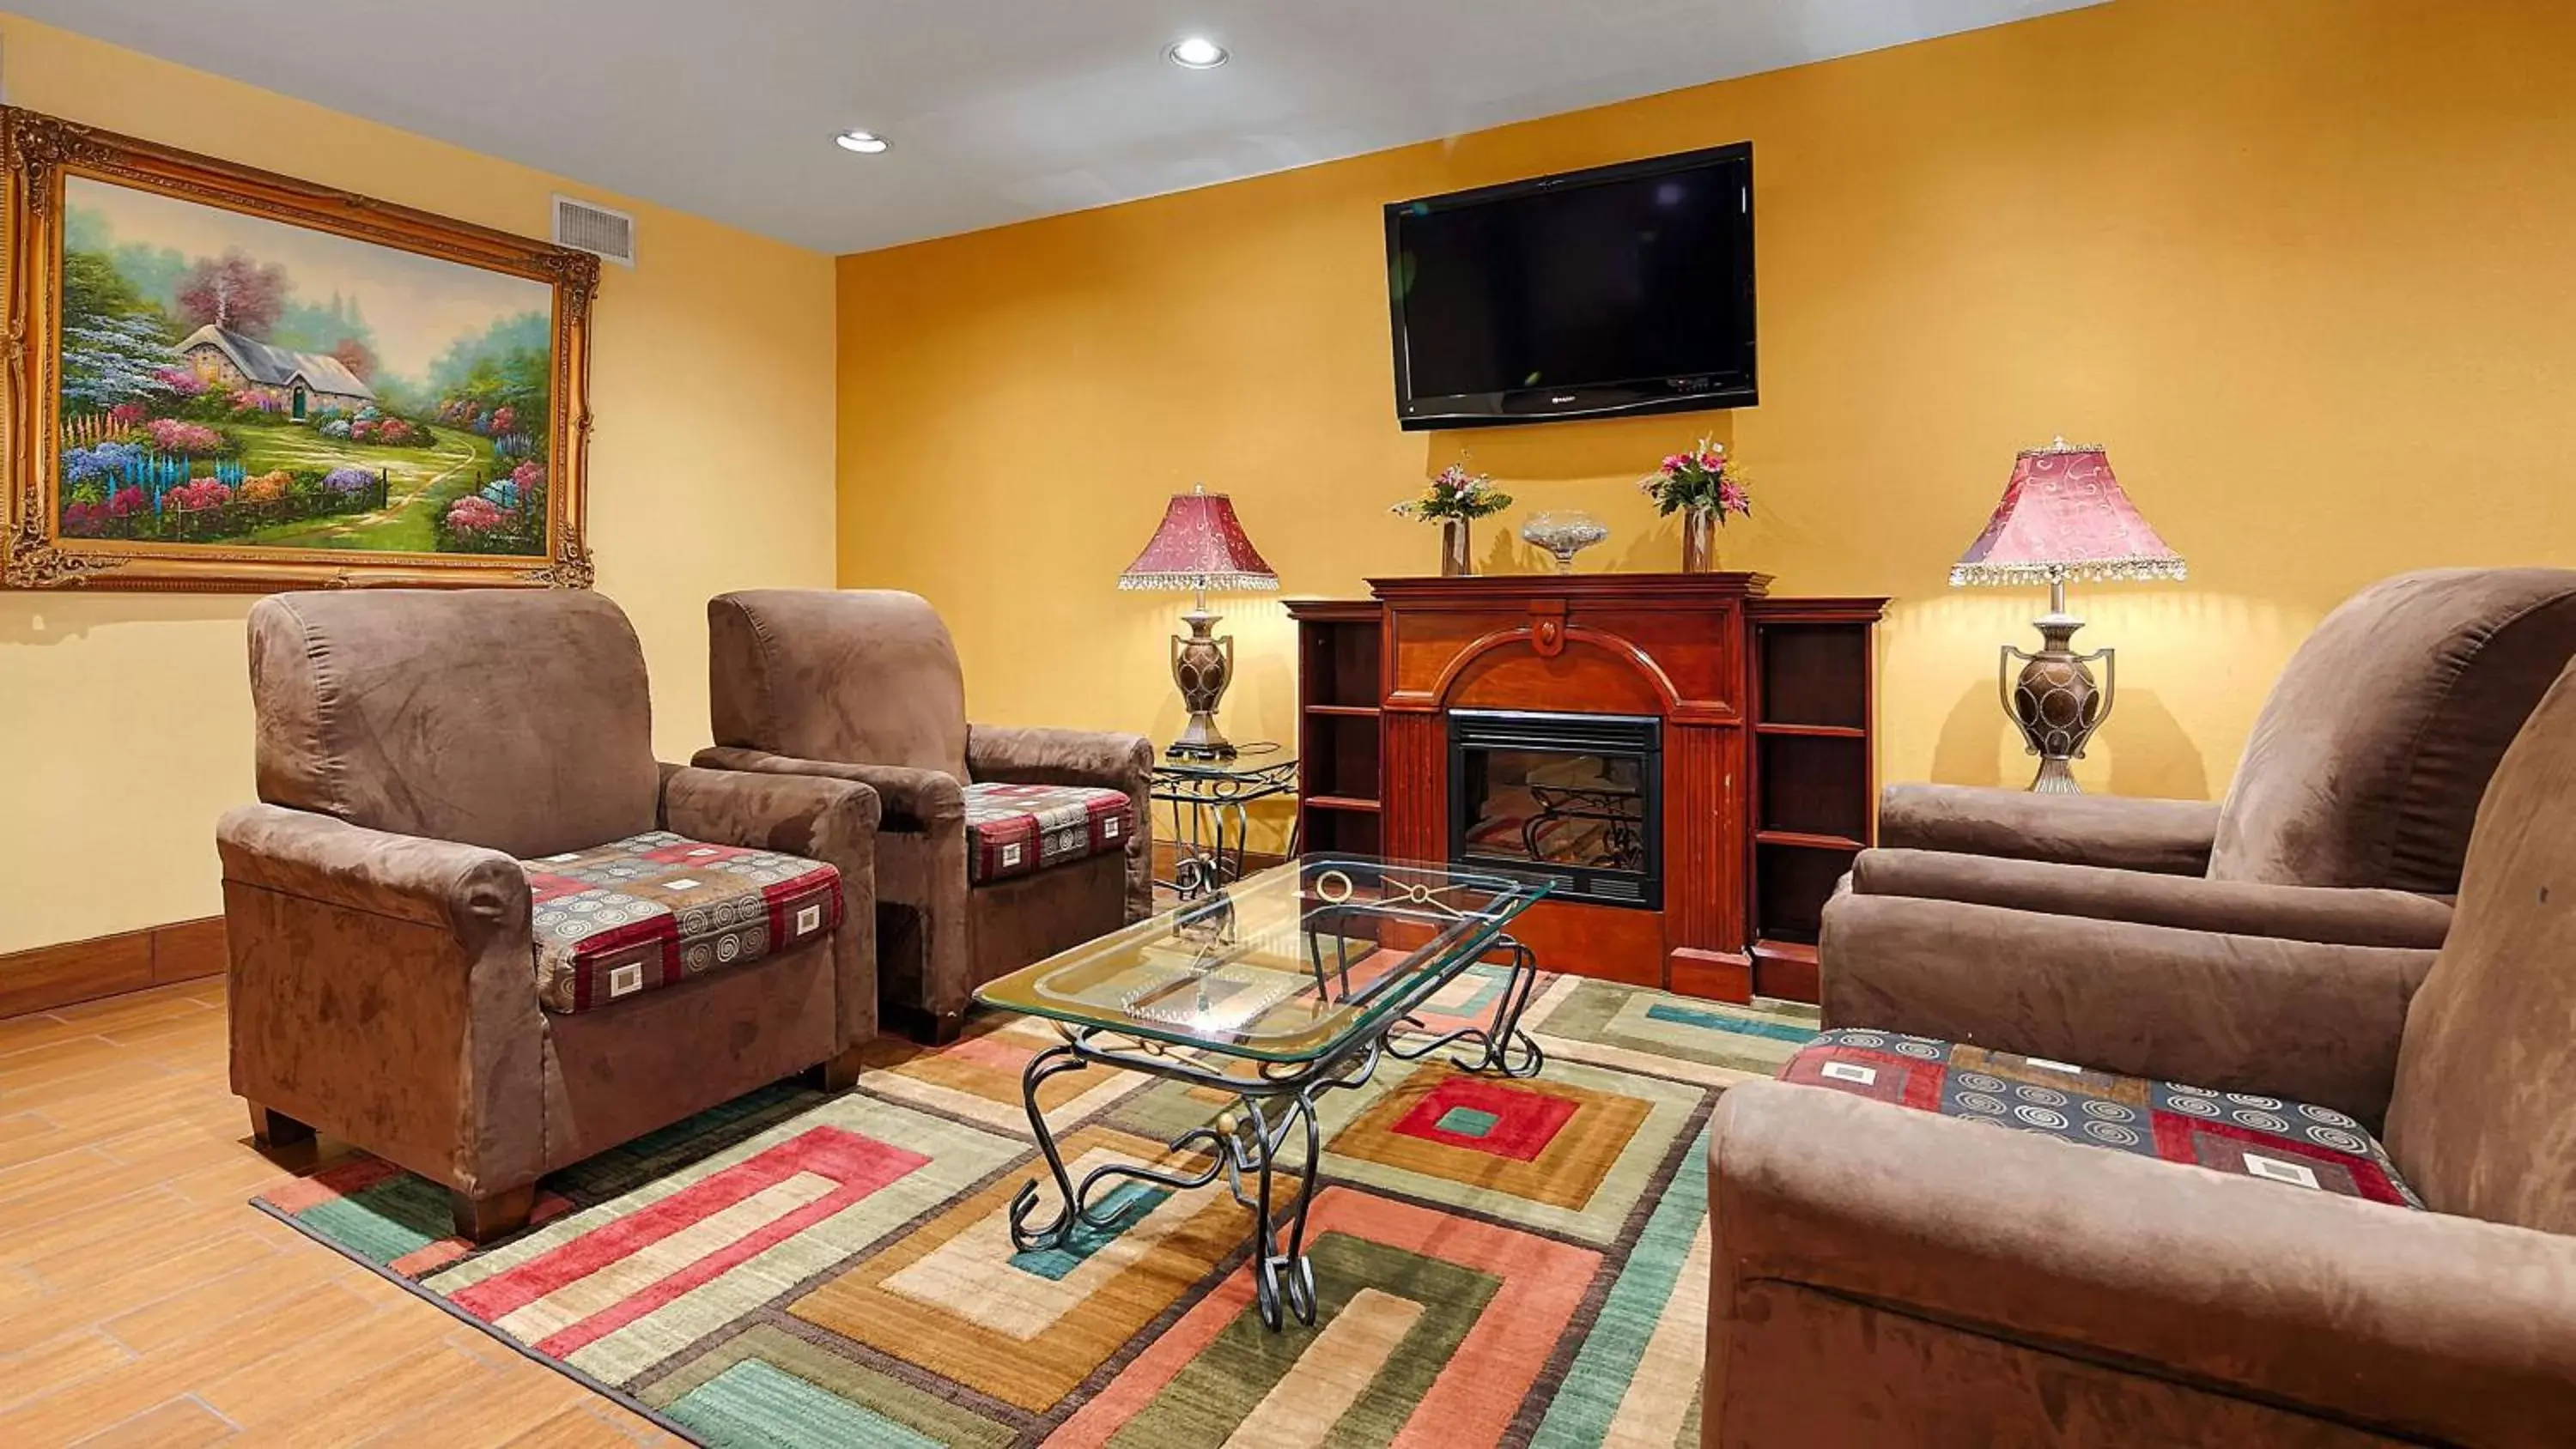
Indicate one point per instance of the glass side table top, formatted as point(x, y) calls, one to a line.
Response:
point(1263, 763)
point(1290, 965)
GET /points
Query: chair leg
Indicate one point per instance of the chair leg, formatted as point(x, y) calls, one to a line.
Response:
point(837, 1075)
point(272, 1128)
point(922, 1026)
point(481, 1219)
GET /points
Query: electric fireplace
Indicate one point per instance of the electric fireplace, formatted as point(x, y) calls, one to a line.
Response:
point(1575, 797)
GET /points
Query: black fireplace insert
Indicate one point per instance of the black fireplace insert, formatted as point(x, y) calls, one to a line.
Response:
point(1577, 797)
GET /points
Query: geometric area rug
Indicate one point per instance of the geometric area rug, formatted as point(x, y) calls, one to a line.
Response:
point(1496, 1262)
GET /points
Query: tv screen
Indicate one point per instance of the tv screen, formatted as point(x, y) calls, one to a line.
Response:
point(1626, 289)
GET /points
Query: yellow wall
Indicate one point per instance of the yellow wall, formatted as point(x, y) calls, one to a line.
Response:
point(2302, 265)
point(125, 719)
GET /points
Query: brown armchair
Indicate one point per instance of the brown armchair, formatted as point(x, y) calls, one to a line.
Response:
point(478, 931)
point(2349, 812)
point(999, 846)
point(1887, 1272)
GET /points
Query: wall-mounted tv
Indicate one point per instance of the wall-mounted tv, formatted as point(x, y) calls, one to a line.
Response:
point(1620, 290)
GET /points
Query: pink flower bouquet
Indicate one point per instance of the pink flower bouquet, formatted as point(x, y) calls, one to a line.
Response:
point(1455, 493)
point(1703, 480)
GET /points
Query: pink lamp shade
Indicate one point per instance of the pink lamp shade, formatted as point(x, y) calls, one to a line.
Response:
point(1201, 545)
point(2063, 516)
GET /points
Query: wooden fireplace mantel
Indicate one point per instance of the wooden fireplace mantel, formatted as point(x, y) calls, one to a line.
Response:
point(1684, 649)
point(1661, 644)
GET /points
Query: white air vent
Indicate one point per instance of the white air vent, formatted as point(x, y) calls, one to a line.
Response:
point(607, 234)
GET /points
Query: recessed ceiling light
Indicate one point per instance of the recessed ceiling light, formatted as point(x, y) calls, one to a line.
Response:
point(1196, 52)
point(866, 143)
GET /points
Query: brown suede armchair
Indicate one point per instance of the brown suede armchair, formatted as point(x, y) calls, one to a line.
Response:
point(2350, 811)
point(864, 685)
point(413, 749)
point(1884, 1275)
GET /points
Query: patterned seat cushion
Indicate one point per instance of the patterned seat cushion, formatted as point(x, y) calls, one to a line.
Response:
point(653, 909)
point(2265, 1137)
point(1022, 829)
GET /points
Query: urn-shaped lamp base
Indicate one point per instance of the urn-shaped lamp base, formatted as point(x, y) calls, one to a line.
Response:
point(1202, 666)
point(2053, 698)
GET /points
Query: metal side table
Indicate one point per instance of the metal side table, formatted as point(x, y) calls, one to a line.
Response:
point(1211, 813)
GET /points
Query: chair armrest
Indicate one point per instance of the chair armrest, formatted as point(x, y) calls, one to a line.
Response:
point(2296, 1019)
point(468, 890)
point(1101, 759)
point(913, 801)
point(814, 816)
point(2328, 914)
point(1026, 756)
point(2441, 1328)
point(2171, 837)
point(383, 988)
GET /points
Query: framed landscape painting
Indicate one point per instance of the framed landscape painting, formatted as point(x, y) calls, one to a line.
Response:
point(224, 379)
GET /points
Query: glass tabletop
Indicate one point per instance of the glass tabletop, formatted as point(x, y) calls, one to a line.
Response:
point(1254, 760)
point(1292, 964)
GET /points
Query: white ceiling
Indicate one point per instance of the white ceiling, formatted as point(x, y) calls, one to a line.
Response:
point(999, 110)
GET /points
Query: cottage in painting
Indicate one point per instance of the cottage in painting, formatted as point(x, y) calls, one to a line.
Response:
point(297, 383)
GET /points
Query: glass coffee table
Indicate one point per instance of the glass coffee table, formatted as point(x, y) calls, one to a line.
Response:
point(1275, 989)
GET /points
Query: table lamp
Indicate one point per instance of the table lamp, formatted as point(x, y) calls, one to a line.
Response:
point(1200, 546)
point(2063, 516)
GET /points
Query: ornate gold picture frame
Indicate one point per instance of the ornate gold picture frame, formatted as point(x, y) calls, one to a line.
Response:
point(221, 379)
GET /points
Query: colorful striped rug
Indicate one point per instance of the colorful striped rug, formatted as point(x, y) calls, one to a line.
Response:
point(1497, 1262)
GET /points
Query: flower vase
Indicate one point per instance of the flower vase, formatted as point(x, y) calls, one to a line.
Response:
point(1699, 541)
point(1457, 551)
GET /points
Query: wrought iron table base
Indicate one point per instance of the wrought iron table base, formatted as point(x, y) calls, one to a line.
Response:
point(1243, 1145)
point(1212, 817)
point(1203, 861)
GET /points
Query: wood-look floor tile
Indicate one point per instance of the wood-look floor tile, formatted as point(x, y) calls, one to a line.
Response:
point(27, 1134)
point(39, 1065)
point(143, 1301)
point(141, 1217)
point(63, 1359)
point(100, 1290)
point(111, 1082)
point(19, 1288)
point(18, 1033)
point(180, 1423)
point(164, 1035)
point(389, 1373)
point(145, 1005)
point(194, 1132)
point(499, 1407)
point(583, 1429)
point(48, 1186)
point(277, 1284)
point(101, 1399)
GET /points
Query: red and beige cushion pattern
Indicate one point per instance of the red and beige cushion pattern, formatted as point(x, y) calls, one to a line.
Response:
point(1022, 829)
point(2250, 1136)
point(651, 910)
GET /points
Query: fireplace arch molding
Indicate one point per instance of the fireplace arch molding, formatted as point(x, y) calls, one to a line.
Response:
point(1587, 670)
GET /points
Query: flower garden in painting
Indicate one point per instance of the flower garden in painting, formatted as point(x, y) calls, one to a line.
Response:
point(229, 380)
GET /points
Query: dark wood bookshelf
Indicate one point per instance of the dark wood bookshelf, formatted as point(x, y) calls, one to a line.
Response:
point(1340, 678)
point(1814, 708)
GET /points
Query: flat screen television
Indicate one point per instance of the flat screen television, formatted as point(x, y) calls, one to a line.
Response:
point(1619, 290)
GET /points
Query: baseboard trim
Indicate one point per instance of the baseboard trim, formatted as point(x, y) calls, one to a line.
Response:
point(45, 977)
